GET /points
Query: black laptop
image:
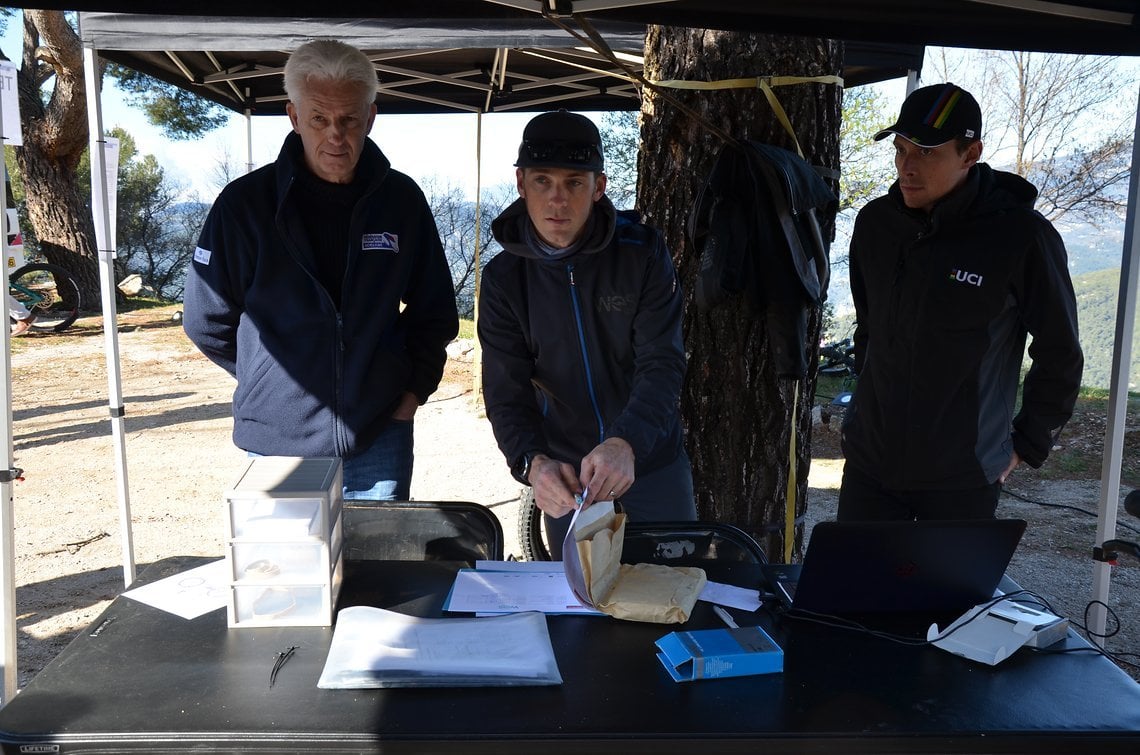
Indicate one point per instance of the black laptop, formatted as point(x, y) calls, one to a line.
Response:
point(898, 566)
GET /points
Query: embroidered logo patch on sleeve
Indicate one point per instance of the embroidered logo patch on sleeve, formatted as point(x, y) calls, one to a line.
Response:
point(380, 242)
point(202, 256)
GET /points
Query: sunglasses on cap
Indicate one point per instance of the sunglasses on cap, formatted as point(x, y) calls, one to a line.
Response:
point(539, 153)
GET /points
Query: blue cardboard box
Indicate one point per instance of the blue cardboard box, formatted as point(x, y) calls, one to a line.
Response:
point(715, 653)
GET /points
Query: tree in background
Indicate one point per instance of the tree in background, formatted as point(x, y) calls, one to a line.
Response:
point(156, 229)
point(737, 410)
point(867, 169)
point(455, 219)
point(620, 137)
point(1059, 121)
point(53, 112)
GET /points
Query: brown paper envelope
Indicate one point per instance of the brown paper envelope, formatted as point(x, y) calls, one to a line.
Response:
point(601, 556)
point(654, 593)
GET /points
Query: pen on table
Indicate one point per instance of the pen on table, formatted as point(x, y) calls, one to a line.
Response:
point(725, 617)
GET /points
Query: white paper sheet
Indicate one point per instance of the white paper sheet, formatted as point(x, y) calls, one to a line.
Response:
point(744, 598)
point(488, 591)
point(188, 594)
point(372, 647)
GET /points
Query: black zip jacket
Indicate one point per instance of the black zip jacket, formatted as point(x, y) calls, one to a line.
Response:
point(317, 377)
point(943, 304)
point(584, 348)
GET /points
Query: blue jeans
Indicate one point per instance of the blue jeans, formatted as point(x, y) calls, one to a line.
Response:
point(383, 471)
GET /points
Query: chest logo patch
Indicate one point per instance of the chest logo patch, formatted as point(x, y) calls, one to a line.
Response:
point(202, 256)
point(380, 242)
point(963, 276)
point(616, 303)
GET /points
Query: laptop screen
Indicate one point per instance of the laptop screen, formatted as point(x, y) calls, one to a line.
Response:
point(900, 566)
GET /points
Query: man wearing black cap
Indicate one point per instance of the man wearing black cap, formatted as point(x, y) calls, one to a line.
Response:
point(950, 272)
point(580, 325)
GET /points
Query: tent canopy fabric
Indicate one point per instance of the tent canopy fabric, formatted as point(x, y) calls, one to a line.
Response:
point(1105, 27)
point(425, 65)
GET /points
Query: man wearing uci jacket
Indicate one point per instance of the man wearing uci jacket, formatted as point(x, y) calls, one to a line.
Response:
point(950, 272)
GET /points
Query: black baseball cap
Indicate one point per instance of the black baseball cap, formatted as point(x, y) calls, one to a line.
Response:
point(561, 139)
point(934, 115)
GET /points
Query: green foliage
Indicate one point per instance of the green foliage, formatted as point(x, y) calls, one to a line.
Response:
point(179, 113)
point(867, 166)
point(156, 231)
point(1096, 310)
point(466, 328)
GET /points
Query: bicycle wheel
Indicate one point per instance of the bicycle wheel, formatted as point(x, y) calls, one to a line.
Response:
point(49, 292)
point(532, 535)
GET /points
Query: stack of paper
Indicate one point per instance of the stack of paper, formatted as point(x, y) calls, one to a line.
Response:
point(373, 648)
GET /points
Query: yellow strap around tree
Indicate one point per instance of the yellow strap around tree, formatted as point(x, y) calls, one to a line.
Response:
point(790, 500)
point(764, 84)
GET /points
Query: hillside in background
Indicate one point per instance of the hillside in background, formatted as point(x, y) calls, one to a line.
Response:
point(1094, 262)
point(1096, 310)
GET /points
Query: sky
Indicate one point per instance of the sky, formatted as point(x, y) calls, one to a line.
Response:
point(439, 146)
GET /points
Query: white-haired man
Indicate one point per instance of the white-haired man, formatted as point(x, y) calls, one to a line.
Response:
point(320, 283)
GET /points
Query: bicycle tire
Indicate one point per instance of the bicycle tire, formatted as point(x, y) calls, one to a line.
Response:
point(531, 531)
point(49, 292)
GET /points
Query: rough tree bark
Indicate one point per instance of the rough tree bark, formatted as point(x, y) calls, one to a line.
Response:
point(55, 136)
point(738, 414)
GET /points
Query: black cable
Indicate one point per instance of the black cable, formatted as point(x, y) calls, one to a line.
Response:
point(840, 622)
point(1078, 509)
point(1027, 597)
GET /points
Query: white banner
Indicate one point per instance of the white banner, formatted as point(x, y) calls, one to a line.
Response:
point(111, 163)
point(10, 105)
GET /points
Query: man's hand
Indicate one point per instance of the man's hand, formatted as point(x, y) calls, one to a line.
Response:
point(406, 409)
point(554, 485)
point(607, 471)
point(1013, 462)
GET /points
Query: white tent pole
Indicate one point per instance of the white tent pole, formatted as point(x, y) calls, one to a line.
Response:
point(248, 139)
point(477, 371)
point(1118, 392)
point(7, 477)
point(106, 244)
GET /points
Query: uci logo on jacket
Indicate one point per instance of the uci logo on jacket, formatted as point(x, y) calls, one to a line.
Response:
point(963, 276)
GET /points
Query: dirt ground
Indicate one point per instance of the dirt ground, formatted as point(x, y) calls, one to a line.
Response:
point(70, 547)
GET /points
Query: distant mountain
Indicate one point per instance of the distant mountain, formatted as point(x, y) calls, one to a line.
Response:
point(1091, 248)
point(1094, 263)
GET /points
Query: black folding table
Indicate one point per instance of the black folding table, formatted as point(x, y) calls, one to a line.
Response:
point(142, 680)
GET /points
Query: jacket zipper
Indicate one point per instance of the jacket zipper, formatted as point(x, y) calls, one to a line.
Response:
point(340, 441)
point(575, 301)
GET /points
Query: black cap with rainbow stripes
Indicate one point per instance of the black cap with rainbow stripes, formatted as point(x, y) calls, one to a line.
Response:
point(934, 115)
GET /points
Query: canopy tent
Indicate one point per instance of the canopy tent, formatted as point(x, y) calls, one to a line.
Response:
point(425, 65)
point(1084, 26)
point(1101, 27)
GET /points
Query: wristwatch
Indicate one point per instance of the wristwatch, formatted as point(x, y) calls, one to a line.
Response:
point(520, 470)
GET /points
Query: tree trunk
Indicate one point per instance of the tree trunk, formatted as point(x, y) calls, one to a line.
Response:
point(738, 413)
point(55, 136)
